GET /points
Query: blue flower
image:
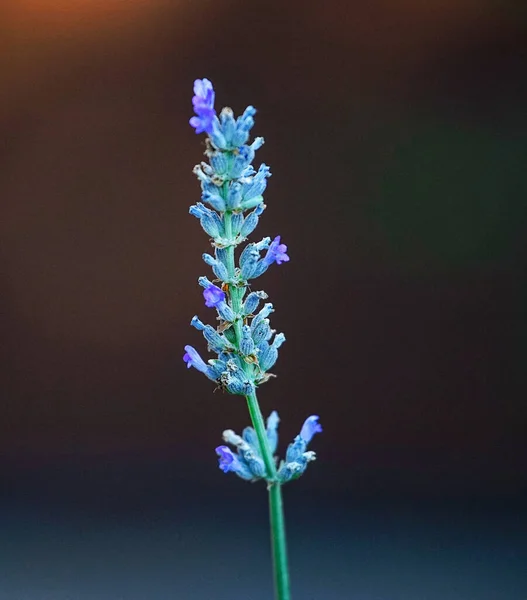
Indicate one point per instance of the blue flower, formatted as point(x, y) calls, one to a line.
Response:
point(276, 253)
point(228, 461)
point(214, 296)
point(226, 457)
point(193, 359)
point(203, 102)
point(296, 457)
point(309, 428)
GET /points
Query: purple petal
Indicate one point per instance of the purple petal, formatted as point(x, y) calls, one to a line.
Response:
point(213, 296)
point(226, 458)
point(276, 252)
point(193, 359)
point(203, 103)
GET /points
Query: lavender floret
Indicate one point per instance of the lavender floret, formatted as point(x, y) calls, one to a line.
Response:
point(310, 427)
point(213, 296)
point(276, 253)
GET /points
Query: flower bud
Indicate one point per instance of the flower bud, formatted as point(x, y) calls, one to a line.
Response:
point(246, 343)
point(262, 331)
point(215, 200)
point(252, 301)
point(236, 224)
point(251, 221)
point(248, 261)
point(228, 124)
point(220, 270)
point(219, 162)
point(234, 195)
point(242, 127)
point(226, 312)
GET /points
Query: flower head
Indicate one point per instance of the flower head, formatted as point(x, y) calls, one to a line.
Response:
point(276, 253)
point(310, 427)
point(213, 295)
point(203, 102)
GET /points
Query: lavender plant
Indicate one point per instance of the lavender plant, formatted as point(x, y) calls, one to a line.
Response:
point(245, 345)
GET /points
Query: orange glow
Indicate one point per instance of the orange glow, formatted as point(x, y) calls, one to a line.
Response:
point(50, 14)
point(64, 8)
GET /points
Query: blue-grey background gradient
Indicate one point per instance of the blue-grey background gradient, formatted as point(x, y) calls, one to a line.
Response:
point(396, 134)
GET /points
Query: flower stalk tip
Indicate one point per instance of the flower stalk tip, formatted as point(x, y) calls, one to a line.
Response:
point(203, 103)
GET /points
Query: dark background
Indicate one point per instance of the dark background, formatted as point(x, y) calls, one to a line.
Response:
point(396, 132)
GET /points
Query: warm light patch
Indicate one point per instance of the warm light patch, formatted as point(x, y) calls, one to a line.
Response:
point(79, 13)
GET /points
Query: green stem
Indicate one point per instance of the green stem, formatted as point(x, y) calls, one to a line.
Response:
point(278, 541)
point(276, 510)
point(259, 427)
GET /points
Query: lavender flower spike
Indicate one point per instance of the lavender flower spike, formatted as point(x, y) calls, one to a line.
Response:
point(245, 344)
point(203, 102)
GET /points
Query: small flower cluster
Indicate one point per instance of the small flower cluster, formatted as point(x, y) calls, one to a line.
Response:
point(245, 345)
point(248, 463)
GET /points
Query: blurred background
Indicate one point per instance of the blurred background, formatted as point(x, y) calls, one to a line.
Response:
point(396, 132)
